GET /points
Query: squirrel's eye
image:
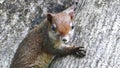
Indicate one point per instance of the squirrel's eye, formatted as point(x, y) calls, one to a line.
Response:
point(53, 28)
point(72, 27)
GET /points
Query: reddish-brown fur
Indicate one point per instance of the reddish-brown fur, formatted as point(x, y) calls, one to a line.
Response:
point(62, 22)
point(38, 49)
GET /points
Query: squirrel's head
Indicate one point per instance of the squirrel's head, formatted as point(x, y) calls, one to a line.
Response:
point(61, 26)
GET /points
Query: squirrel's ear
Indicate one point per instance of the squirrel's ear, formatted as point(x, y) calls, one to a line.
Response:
point(71, 14)
point(70, 11)
point(49, 17)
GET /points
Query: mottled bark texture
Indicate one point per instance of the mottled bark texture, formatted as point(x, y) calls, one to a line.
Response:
point(97, 29)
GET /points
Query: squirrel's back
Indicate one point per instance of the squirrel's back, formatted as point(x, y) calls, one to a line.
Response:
point(30, 49)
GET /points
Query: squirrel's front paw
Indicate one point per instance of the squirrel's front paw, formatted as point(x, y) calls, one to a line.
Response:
point(79, 51)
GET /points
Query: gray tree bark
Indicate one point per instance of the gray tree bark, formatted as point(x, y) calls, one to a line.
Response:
point(97, 29)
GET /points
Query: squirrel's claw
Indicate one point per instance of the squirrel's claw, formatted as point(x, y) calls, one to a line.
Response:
point(79, 52)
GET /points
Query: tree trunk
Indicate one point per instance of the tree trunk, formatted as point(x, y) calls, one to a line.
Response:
point(97, 29)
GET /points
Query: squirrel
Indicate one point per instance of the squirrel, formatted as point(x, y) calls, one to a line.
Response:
point(45, 41)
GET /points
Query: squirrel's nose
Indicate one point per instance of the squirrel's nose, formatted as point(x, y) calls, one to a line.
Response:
point(64, 40)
